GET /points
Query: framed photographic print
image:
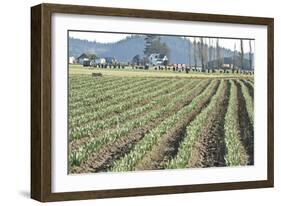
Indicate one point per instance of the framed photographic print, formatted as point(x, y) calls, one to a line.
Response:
point(129, 102)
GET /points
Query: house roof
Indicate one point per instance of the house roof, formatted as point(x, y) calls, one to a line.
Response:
point(87, 55)
point(84, 55)
point(162, 56)
point(158, 56)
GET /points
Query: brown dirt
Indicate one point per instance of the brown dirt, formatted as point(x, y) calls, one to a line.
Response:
point(246, 128)
point(209, 150)
point(109, 153)
point(169, 143)
point(103, 160)
point(76, 143)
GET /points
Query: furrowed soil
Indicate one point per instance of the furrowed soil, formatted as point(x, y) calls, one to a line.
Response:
point(76, 143)
point(137, 120)
point(250, 88)
point(104, 159)
point(246, 128)
point(209, 150)
point(169, 143)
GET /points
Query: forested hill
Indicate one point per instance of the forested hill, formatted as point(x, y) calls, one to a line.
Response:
point(124, 50)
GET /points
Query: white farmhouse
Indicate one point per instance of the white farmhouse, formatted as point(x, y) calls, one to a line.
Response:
point(87, 59)
point(157, 59)
point(83, 57)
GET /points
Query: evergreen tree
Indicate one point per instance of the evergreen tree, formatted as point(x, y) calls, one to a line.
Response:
point(153, 44)
point(149, 39)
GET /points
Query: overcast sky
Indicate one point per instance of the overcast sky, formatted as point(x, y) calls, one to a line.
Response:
point(114, 37)
point(98, 36)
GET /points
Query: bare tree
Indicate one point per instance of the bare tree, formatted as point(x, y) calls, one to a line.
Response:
point(214, 56)
point(234, 58)
point(205, 53)
point(200, 48)
point(218, 54)
point(241, 55)
point(210, 55)
point(201, 53)
point(222, 59)
point(195, 52)
point(250, 55)
point(189, 53)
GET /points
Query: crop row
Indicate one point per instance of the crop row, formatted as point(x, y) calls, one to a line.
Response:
point(129, 161)
point(94, 95)
point(94, 144)
point(193, 131)
point(101, 111)
point(249, 102)
point(100, 88)
point(163, 95)
point(107, 153)
point(161, 104)
point(175, 94)
point(88, 82)
point(113, 97)
point(235, 154)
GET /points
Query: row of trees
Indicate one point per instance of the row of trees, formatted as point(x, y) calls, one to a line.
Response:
point(204, 52)
point(209, 54)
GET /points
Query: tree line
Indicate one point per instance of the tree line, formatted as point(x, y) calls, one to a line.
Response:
point(208, 54)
